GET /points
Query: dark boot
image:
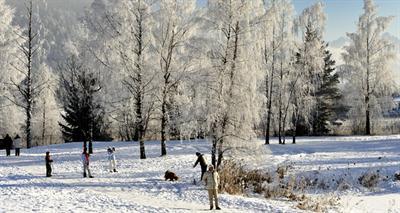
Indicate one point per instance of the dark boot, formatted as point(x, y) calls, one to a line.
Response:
point(115, 170)
point(211, 207)
point(91, 176)
point(84, 174)
point(217, 208)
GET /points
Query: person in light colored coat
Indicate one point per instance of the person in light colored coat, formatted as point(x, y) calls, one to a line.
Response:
point(111, 159)
point(211, 180)
point(17, 145)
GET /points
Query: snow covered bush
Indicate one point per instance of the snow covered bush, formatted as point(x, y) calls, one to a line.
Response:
point(397, 176)
point(318, 204)
point(235, 179)
point(369, 179)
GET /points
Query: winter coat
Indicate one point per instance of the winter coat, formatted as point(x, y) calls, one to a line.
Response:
point(111, 155)
point(48, 159)
point(8, 142)
point(200, 159)
point(85, 158)
point(17, 143)
point(211, 180)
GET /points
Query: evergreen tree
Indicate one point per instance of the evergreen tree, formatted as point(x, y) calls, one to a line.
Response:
point(327, 96)
point(84, 118)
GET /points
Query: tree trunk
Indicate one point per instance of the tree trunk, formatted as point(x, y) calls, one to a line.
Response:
point(142, 150)
point(214, 152)
point(294, 128)
point(28, 126)
point(44, 123)
point(367, 107)
point(85, 145)
point(269, 91)
point(28, 95)
point(90, 147)
point(367, 117)
point(163, 126)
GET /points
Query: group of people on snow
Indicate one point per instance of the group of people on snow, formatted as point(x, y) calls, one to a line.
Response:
point(85, 158)
point(9, 143)
point(209, 175)
point(210, 178)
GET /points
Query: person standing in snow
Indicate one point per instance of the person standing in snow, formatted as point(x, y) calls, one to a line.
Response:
point(85, 162)
point(211, 179)
point(8, 144)
point(200, 159)
point(17, 145)
point(111, 159)
point(49, 161)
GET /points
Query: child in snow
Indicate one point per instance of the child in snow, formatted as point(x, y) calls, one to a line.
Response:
point(111, 159)
point(17, 145)
point(85, 162)
point(211, 179)
point(200, 159)
point(49, 161)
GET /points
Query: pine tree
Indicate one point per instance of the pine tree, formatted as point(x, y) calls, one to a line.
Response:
point(84, 118)
point(327, 96)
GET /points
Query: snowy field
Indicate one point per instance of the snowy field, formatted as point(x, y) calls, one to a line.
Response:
point(139, 184)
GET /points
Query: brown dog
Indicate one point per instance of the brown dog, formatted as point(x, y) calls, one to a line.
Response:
point(170, 176)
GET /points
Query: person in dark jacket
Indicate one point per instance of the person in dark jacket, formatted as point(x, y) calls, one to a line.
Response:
point(49, 161)
point(8, 144)
point(200, 159)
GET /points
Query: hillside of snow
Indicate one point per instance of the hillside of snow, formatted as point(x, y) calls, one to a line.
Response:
point(139, 186)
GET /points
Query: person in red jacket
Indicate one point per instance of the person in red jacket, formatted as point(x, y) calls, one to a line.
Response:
point(85, 162)
point(49, 161)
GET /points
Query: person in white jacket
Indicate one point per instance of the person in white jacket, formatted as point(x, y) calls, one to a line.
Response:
point(17, 145)
point(111, 159)
point(211, 179)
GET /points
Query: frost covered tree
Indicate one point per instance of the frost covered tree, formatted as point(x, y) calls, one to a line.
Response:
point(83, 115)
point(10, 116)
point(172, 31)
point(28, 90)
point(310, 62)
point(233, 95)
point(128, 25)
point(367, 59)
point(277, 53)
point(46, 113)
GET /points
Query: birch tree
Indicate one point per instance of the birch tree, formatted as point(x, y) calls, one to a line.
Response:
point(10, 116)
point(129, 26)
point(367, 59)
point(233, 98)
point(173, 30)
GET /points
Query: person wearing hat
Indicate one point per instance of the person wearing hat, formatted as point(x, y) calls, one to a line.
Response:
point(211, 179)
point(203, 165)
point(17, 145)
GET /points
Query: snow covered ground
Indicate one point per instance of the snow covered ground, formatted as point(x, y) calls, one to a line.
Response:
point(139, 184)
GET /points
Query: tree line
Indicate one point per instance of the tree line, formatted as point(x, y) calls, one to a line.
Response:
point(230, 71)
